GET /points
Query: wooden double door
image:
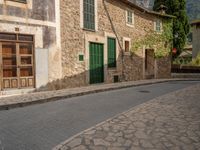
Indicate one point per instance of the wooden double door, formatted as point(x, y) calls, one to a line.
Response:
point(16, 65)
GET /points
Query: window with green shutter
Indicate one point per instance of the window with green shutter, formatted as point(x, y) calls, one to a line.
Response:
point(111, 52)
point(89, 14)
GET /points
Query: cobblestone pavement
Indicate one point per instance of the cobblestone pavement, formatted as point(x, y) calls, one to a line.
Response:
point(169, 122)
point(42, 97)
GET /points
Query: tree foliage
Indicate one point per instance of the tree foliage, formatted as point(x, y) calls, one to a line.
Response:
point(181, 26)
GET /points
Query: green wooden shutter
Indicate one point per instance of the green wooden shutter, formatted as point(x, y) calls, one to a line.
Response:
point(96, 63)
point(89, 14)
point(111, 52)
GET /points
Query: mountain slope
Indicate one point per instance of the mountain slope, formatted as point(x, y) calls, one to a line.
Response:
point(193, 9)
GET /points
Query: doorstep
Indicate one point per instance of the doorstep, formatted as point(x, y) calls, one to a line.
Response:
point(15, 92)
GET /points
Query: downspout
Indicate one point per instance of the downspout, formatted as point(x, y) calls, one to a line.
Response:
point(114, 31)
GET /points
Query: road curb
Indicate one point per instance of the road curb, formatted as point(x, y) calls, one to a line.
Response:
point(103, 89)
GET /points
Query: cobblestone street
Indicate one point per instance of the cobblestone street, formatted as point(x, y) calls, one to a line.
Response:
point(168, 122)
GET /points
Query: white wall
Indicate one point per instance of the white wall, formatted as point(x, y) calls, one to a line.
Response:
point(41, 67)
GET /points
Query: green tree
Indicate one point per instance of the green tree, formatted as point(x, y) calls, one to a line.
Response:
point(181, 26)
point(157, 4)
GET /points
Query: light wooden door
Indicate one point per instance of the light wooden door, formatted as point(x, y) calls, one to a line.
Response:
point(17, 65)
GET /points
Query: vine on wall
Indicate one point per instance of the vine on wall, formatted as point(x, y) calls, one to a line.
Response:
point(159, 41)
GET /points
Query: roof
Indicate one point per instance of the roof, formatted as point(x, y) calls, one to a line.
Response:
point(186, 53)
point(145, 10)
point(194, 22)
point(189, 47)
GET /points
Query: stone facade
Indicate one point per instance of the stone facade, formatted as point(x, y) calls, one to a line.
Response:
point(40, 18)
point(60, 40)
point(75, 40)
point(195, 38)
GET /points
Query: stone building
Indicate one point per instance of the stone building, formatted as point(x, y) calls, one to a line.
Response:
point(68, 43)
point(195, 38)
point(30, 50)
point(96, 40)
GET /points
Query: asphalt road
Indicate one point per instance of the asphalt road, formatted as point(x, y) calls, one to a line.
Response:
point(41, 127)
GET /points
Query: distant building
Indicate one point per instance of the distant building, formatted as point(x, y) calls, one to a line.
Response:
point(145, 3)
point(196, 38)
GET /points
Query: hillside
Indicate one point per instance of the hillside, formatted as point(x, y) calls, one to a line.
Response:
point(193, 9)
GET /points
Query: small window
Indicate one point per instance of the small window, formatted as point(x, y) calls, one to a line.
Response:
point(129, 17)
point(81, 57)
point(22, 37)
point(20, 1)
point(4, 36)
point(127, 46)
point(158, 25)
point(89, 14)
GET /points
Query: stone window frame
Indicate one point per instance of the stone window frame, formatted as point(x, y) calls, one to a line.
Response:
point(128, 23)
point(129, 40)
point(82, 16)
point(111, 35)
point(78, 57)
point(18, 3)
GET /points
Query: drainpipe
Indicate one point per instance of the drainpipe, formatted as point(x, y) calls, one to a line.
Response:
point(114, 31)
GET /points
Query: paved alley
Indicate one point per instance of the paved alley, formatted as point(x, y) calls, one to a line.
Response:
point(43, 126)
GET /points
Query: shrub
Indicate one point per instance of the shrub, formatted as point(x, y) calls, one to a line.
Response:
point(196, 61)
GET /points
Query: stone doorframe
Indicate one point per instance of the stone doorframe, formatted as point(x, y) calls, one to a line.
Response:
point(96, 39)
point(102, 40)
point(155, 63)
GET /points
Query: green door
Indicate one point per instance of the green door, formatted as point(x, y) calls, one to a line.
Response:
point(96, 63)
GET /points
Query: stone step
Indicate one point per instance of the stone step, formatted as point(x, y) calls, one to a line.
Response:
point(185, 75)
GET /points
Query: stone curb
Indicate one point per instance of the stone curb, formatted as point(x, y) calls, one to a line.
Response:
point(100, 88)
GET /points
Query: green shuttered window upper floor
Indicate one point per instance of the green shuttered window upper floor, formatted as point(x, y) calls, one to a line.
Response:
point(89, 14)
point(111, 52)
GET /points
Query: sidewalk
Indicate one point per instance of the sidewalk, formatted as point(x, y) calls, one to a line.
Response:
point(166, 122)
point(42, 97)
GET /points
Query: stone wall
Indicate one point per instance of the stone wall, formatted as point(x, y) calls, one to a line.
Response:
point(163, 69)
point(74, 40)
point(195, 40)
point(72, 43)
